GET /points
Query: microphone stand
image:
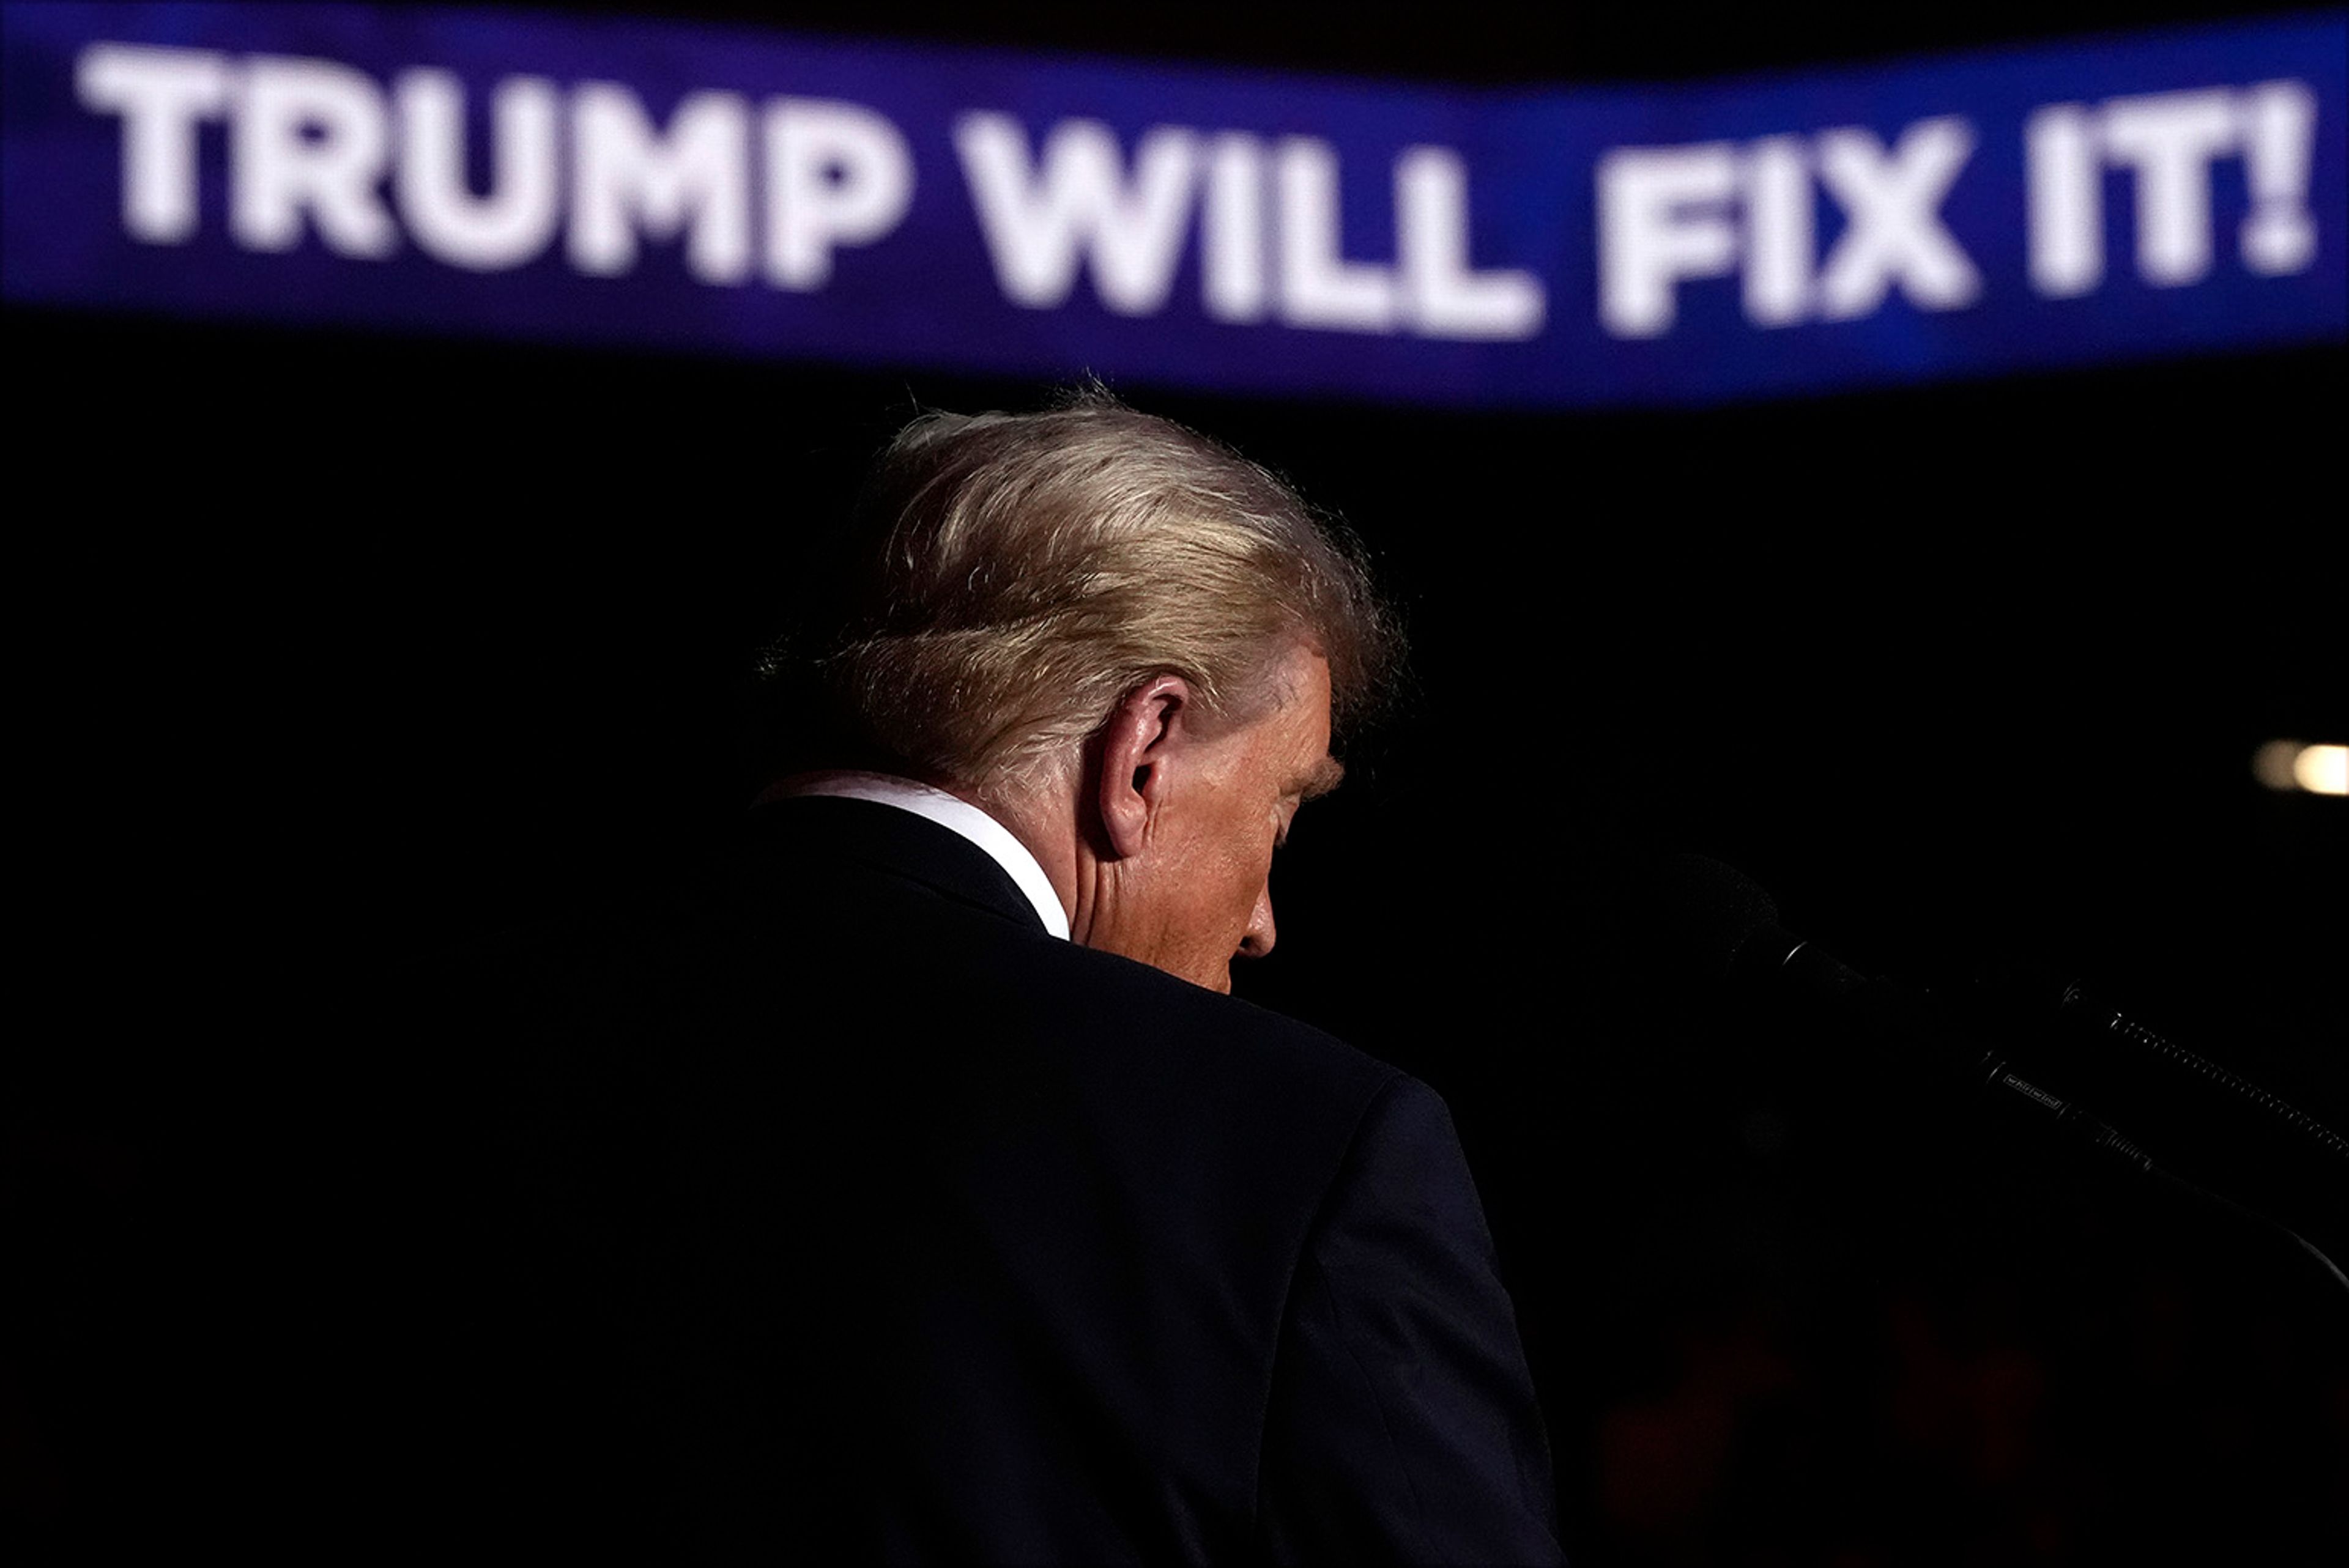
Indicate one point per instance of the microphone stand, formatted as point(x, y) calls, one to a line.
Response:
point(1776, 962)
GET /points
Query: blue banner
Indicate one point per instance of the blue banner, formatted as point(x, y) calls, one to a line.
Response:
point(659, 183)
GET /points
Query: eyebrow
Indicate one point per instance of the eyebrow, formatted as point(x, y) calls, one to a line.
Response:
point(1325, 776)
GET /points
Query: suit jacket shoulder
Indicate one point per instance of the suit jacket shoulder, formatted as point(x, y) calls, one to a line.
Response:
point(908, 1231)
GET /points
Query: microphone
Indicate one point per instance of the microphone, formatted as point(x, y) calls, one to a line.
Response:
point(2114, 1041)
point(1726, 928)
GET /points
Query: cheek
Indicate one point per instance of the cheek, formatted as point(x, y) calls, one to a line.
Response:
point(1251, 885)
point(1230, 878)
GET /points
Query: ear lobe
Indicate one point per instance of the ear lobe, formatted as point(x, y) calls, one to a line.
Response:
point(1136, 745)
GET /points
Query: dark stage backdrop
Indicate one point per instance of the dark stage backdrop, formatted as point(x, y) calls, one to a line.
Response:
point(340, 651)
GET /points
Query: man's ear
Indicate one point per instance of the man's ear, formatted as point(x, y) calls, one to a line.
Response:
point(1136, 744)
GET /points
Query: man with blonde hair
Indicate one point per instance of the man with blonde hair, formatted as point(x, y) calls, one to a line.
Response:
point(965, 1219)
point(1027, 597)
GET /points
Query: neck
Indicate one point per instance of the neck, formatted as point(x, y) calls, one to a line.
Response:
point(1042, 815)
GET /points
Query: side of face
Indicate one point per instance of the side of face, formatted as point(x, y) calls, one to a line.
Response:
point(1193, 811)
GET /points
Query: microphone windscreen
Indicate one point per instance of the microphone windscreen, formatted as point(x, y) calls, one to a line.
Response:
point(1707, 911)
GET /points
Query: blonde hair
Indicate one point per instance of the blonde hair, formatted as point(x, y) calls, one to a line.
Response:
point(1013, 577)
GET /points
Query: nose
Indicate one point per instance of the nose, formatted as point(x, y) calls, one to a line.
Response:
point(1259, 939)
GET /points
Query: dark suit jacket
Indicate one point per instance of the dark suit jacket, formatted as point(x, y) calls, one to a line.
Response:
point(860, 1219)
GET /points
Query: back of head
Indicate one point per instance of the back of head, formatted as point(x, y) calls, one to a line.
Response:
point(1010, 578)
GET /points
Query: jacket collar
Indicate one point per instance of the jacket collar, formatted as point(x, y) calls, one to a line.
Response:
point(890, 838)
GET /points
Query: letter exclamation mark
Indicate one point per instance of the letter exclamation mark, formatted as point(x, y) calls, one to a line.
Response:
point(2279, 129)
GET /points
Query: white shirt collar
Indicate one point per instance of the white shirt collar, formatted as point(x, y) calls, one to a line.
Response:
point(954, 814)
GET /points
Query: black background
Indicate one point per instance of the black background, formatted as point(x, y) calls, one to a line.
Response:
point(338, 650)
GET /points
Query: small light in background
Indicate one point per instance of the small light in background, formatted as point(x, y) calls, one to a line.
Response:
point(2290, 765)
